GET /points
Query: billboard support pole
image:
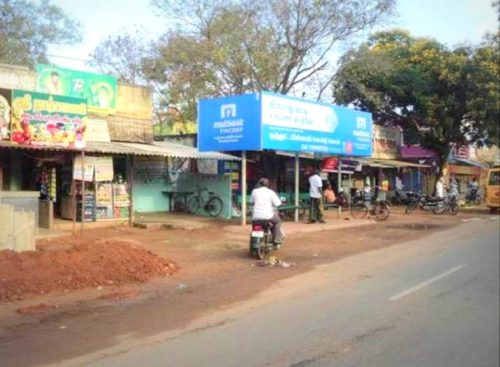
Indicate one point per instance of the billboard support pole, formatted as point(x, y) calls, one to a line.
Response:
point(339, 185)
point(296, 186)
point(82, 219)
point(243, 188)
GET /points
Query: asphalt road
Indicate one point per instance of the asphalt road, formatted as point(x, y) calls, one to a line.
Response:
point(429, 302)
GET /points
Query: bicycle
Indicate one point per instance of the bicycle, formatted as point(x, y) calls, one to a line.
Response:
point(207, 200)
point(380, 209)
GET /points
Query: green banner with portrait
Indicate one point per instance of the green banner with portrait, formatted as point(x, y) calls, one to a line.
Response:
point(99, 90)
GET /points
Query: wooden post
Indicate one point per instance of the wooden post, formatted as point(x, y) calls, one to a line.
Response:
point(82, 219)
point(296, 187)
point(243, 188)
point(130, 179)
point(339, 185)
point(73, 196)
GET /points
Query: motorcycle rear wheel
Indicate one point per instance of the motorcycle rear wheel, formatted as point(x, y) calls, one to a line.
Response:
point(440, 209)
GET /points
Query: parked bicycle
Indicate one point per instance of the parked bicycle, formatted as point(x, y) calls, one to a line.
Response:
point(360, 207)
point(206, 200)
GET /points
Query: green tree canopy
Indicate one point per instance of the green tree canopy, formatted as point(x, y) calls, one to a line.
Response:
point(439, 96)
point(227, 47)
point(27, 28)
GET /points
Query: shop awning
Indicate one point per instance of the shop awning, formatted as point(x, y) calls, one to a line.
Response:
point(159, 149)
point(389, 163)
point(468, 162)
point(168, 149)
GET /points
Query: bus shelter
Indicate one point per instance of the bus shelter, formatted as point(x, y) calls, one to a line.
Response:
point(269, 121)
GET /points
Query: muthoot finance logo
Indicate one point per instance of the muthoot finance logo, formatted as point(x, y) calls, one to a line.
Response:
point(228, 111)
point(229, 124)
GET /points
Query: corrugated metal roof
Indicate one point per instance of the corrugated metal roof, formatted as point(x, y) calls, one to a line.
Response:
point(389, 163)
point(161, 149)
point(168, 149)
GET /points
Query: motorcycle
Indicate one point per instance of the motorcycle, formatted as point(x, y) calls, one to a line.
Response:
point(450, 205)
point(402, 197)
point(473, 196)
point(261, 239)
point(427, 203)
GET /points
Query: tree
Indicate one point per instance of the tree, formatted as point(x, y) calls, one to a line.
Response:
point(28, 28)
point(122, 55)
point(439, 96)
point(225, 47)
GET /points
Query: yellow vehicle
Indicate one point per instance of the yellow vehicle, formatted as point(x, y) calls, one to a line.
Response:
point(493, 188)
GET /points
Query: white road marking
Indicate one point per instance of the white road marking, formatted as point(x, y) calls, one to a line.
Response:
point(470, 220)
point(426, 283)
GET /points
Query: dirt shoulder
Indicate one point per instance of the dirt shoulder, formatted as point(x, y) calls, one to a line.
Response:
point(214, 270)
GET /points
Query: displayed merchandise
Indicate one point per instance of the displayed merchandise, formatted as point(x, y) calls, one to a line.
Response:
point(104, 200)
point(121, 196)
point(89, 208)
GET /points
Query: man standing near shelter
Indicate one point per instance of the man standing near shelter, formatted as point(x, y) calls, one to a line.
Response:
point(315, 194)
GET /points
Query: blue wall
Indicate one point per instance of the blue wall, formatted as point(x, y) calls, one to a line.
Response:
point(148, 197)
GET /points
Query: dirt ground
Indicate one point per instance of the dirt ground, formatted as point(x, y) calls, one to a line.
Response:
point(65, 264)
point(208, 268)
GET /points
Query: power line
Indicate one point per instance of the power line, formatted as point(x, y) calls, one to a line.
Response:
point(68, 57)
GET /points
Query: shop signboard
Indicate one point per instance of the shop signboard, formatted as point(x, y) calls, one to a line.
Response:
point(330, 164)
point(97, 130)
point(5, 99)
point(103, 167)
point(386, 142)
point(98, 90)
point(270, 121)
point(43, 119)
point(88, 168)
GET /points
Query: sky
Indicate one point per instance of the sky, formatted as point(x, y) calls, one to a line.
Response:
point(451, 22)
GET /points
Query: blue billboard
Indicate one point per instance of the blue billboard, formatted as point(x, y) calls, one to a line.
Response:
point(229, 123)
point(279, 122)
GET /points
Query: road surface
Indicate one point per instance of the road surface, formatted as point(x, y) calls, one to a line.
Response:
point(429, 302)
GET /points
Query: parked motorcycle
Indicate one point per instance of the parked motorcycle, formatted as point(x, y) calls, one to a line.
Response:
point(473, 196)
point(450, 205)
point(261, 238)
point(401, 197)
point(428, 203)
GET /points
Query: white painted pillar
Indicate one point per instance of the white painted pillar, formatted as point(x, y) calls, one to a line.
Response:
point(243, 188)
point(296, 187)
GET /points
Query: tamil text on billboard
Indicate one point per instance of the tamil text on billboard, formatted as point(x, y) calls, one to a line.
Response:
point(99, 90)
point(43, 119)
point(302, 126)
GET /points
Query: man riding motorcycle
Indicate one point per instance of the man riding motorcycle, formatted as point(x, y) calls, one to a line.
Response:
point(264, 202)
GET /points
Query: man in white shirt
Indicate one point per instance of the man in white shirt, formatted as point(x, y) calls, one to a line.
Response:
point(440, 187)
point(264, 202)
point(315, 188)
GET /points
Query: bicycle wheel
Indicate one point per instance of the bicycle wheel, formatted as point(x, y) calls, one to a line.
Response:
point(359, 210)
point(193, 204)
point(214, 206)
point(381, 211)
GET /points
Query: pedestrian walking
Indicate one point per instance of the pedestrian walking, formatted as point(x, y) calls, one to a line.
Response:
point(315, 194)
